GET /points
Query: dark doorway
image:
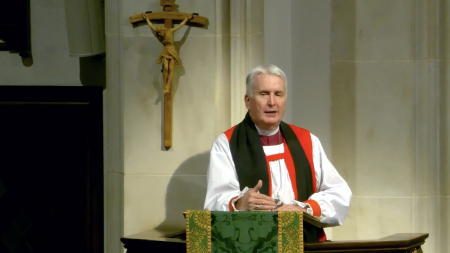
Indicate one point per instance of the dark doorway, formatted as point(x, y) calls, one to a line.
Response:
point(51, 169)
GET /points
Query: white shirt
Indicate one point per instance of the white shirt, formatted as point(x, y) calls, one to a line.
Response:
point(333, 194)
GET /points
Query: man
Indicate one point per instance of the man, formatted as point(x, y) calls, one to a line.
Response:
point(286, 165)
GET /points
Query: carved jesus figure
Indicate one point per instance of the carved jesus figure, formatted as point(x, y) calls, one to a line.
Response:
point(169, 56)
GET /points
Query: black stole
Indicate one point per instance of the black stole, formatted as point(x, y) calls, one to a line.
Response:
point(250, 162)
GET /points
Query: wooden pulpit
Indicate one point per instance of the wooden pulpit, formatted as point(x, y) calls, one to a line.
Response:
point(174, 241)
point(258, 232)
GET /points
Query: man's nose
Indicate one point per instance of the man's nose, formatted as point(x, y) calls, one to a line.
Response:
point(271, 101)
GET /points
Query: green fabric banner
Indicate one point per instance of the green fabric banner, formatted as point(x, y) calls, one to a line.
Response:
point(242, 232)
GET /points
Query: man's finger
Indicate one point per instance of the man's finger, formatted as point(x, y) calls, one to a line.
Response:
point(257, 186)
point(290, 208)
point(252, 207)
point(282, 208)
point(259, 196)
point(267, 203)
point(257, 201)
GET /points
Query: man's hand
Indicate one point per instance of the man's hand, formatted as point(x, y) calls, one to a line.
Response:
point(290, 208)
point(252, 199)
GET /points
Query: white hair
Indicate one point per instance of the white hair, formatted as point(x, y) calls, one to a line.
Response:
point(263, 69)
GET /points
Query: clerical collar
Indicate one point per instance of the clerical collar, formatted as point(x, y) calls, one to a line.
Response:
point(267, 132)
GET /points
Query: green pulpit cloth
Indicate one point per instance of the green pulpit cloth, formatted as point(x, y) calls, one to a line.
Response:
point(239, 232)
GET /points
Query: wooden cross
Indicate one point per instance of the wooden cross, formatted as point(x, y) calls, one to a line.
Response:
point(167, 15)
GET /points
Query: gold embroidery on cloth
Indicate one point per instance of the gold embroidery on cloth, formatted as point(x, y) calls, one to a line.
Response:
point(197, 231)
point(196, 237)
point(280, 232)
point(187, 231)
point(290, 235)
point(201, 218)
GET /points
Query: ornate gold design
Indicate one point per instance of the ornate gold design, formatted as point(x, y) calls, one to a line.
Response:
point(289, 231)
point(198, 228)
point(196, 238)
point(201, 219)
point(292, 239)
point(288, 218)
point(187, 231)
point(209, 230)
point(280, 231)
point(300, 225)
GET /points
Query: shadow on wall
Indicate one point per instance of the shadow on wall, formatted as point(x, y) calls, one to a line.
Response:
point(186, 191)
point(27, 59)
point(93, 70)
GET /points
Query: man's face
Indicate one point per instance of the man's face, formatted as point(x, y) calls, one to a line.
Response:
point(267, 104)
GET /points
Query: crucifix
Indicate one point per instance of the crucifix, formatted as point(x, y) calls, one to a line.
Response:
point(169, 56)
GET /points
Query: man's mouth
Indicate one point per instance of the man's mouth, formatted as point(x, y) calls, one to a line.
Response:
point(270, 112)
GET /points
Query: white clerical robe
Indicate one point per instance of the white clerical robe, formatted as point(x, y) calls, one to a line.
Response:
point(333, 194)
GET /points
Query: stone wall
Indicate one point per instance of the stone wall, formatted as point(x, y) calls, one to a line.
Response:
point(368, 77)
point(388, 117)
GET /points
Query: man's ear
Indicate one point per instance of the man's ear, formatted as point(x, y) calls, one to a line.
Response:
point(247, 101)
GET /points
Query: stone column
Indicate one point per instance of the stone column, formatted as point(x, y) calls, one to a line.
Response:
point(247, 49)
point(388, 88)
point(443, 183)
point(113, 129)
